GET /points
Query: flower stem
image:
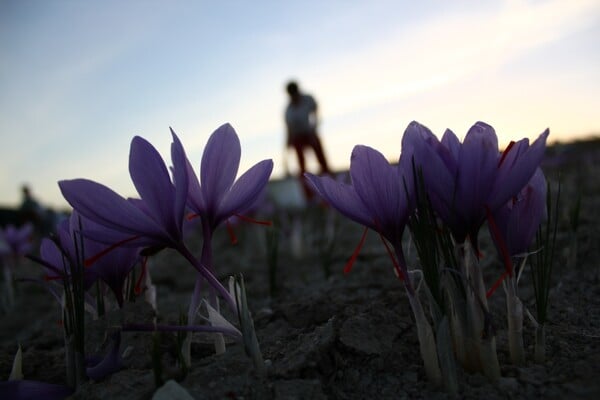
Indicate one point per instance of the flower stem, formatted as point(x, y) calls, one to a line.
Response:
point(514, 312)
point(8, 281)
point(540, 343)
point(427, 342)
point(210, 278)
point(206, 259)
point(483, 335)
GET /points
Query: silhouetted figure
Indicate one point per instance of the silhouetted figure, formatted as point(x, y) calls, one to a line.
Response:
point(30, 209)
point(301, 123)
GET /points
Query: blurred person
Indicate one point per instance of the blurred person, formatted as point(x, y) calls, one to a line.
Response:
point(301, 123)
point(30, 210)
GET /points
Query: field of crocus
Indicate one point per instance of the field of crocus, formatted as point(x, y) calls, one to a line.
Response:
point(207, 284)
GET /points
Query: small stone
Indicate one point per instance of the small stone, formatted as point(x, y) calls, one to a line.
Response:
point(509, 384)
point(171, 390)
point(264, 312)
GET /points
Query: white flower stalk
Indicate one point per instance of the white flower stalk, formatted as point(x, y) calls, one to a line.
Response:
point(482, 334)
point(514, 313)
point(16, 373)
point(150, 292)
point(427, 342)
point(247, 324)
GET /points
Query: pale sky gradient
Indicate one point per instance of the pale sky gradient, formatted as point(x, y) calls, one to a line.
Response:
point(78, 79)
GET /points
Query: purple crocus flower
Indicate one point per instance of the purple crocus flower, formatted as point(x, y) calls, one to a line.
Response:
point(463, 179)
point(17, 239)
point(518, 220)
point(113, 266)
point(64, 252)
point(381, 197)
point(378, 198)
point(156, 219)
point(218, 196)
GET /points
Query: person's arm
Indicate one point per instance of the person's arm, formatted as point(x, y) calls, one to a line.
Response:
point(314, 115)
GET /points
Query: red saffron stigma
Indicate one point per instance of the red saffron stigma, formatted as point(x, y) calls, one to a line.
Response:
point(505, 152)
point(394, 261)
point(138, 285)
point(496, 285)
point(253, 221)
point(348, 266)
point(191, 216)
point(88, 262)
point(232, 236)
point(499, 241)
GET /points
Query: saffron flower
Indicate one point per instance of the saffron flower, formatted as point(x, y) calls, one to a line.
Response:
point(217, 196)
point(113, 266)
point(513, 227)
point(378, 198)
point(519, 219)
point(64, 253)
point(465, 178)
point(381, 199)
point(14, 242)
point(154, 220)
point(17, 240)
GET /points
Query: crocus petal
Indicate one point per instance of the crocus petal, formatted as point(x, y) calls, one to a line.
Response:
point(195, 196)
point(477, 166)
point(414, 132)
point(516, 170)
point(111, 237)
point(102, 205)
point(181, 182)
point(219, 166)
point(528, 214)
point(451, 142)
point(33, 390)
point(16, 239)
point(378, 185)
point(438, 177)
point(111, 363)
point(53, 258)
point(151, 179)
point(342, 197)
point(24, 232)
point(114, 265)
point(246, 190)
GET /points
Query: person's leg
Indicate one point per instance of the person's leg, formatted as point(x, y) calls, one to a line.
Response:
point(299, 144)
point(318, 148)
point(299, 147)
